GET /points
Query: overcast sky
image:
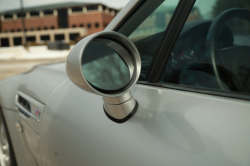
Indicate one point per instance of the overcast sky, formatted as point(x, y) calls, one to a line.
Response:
point(14, 4)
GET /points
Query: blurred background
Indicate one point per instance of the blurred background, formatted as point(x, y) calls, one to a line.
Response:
point(34, 32)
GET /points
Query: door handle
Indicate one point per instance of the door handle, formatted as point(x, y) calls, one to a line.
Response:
point(25, 111)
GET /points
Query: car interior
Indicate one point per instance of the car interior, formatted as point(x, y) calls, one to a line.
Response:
point(207, 54)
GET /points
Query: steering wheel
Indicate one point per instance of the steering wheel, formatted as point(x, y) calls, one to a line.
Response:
point(213, 34)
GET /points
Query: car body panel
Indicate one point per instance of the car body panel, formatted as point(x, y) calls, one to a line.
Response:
point(31, 141)
point(170, 126)
point(8, 89)
point(42, 81)
point(38, 83)
point(36, 110)
point(19, 142)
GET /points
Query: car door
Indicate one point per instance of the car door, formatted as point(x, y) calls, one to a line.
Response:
point(184, 117)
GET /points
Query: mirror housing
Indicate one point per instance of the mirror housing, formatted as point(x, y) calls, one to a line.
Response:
point(119, 104)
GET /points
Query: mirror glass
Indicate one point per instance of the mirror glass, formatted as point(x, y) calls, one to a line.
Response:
point(103, 68)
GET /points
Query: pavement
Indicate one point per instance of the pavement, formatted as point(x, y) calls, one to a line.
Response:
point(33, 52)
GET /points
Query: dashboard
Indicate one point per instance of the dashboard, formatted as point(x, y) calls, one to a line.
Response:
point(190, 47)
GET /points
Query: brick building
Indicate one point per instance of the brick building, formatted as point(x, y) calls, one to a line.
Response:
point(63, 21)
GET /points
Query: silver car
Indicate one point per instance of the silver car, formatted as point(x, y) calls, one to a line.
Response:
point(166, 83)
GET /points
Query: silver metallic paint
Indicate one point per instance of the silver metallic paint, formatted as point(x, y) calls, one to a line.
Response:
point(117, 100)
point(19, 127)
point(171, 127)
point(122, 110)
point(34, 121)
point(31, 139)
point(19, 106)
point(127, 51)
point(39, 84)
point(42, 81)
point(20, 146)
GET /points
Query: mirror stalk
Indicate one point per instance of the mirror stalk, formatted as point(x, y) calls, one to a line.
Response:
point(120, 108)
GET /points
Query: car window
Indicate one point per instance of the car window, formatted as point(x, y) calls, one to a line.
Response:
point(145, 28)
point(213, 49)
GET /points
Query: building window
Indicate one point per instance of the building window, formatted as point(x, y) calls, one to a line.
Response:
point(73, 36)
point(8, 16)
point(45, 37)
point(38, 28)
point(34, 13)
point(48, 12)
point(5, 42)
point(17, 41)
point(63, 18)
point(81, 25)
point(45, 28)
point(89, 25)
point(97, 25)
point(77, 9)
point(18, 30)
point(92, 7)
point(19, 15)
point(74, 26)
point(31, 29)
point(12, 30)
point(59, 37)
point(52, 27)
point(31, 38)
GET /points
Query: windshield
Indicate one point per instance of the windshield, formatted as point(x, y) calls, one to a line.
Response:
point(145, 28)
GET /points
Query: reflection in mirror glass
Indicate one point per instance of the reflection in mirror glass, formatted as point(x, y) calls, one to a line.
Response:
point(104, 68)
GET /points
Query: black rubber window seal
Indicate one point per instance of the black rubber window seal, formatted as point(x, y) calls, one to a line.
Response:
point(170, 35)
point(128, 15)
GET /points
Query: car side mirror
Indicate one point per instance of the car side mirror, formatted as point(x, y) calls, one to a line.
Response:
point(108, 64)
